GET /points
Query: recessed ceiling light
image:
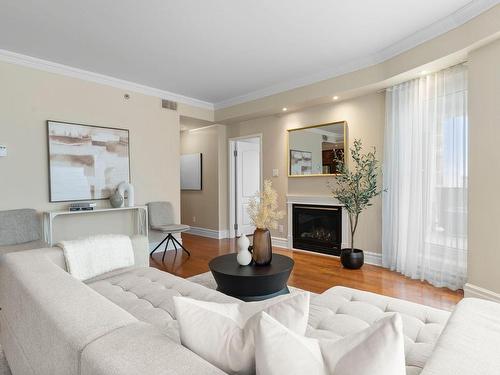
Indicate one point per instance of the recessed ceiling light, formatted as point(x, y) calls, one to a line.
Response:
point(285, 109)
point(335, 97)
point(424, 72)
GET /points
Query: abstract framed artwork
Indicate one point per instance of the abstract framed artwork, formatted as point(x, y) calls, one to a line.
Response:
point(86, 162)
point(300, 162)
point(192, 171)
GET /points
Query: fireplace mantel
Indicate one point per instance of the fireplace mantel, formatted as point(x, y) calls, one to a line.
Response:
point(320, 200)
point(325, 200)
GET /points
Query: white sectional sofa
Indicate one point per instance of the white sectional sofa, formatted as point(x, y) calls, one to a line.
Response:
point(123, 322)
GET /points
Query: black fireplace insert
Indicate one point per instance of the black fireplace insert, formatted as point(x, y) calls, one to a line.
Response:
point(317, 228)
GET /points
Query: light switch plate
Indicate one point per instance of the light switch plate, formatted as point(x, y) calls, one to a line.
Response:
point(275, 173)
point(3, 150)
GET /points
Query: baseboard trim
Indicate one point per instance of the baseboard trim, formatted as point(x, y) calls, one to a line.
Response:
point(471, 290)
point(279, 242)
point(210, 233)
point(375, 259)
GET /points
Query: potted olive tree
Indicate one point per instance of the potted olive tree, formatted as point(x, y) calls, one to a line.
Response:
point(355, 187)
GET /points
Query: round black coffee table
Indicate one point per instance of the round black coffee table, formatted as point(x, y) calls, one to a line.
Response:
point(251, 283)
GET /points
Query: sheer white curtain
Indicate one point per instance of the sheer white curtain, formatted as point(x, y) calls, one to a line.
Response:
point(425, 174)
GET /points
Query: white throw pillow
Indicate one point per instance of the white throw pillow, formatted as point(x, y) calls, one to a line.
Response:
point(93, 256)
point(377, 350)
point(224, 334)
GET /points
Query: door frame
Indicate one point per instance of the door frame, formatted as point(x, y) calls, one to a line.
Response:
point(232, 176)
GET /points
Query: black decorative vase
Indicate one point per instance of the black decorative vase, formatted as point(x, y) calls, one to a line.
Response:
point(352, 259)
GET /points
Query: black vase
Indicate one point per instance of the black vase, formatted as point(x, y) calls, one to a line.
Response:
point(352, 259)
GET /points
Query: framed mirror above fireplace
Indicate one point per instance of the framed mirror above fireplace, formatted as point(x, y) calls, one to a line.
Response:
point(314, 150)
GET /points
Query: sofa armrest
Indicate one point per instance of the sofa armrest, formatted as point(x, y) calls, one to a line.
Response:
point(23, 246)
point(470, 341)
point(141, 348)
point(51, 315)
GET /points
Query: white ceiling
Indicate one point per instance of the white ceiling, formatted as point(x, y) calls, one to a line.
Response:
point(224, 51)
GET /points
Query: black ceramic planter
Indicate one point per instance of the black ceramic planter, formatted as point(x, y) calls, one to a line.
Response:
point(352, 259)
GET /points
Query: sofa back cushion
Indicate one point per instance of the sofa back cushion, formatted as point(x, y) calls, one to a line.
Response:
point(53, 315)
point(470, 342)
point(19, 226)
point(140, 348)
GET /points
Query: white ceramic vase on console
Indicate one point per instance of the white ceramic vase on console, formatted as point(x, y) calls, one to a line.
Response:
point(125, 187)
point(244, 256)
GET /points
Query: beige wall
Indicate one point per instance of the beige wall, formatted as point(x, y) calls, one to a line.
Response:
point(206, 208)
point(484, 158)
point(365, 118)
point(29, 97)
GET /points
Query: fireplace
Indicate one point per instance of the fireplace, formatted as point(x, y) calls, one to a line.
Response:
point(317, 228)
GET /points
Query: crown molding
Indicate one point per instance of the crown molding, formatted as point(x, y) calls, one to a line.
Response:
point(52, 67)
point(456, 19)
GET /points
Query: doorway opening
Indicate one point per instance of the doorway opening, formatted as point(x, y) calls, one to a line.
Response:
point(245, 180)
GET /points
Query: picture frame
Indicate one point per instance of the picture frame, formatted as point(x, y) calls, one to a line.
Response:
point(86, 162)
point(300, 162)
point(192, 172)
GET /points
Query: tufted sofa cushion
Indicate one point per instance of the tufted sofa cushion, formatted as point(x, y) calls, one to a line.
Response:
point(341, 311)
point(147, 293)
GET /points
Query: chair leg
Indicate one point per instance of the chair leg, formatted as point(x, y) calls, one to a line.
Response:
point(178, 243)
point(151, 253)
point(173, 242)
point(166, 247)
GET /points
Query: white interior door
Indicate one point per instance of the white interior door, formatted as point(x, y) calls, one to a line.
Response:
point(247, 162)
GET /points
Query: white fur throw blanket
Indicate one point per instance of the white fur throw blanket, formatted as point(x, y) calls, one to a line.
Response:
point(93, 256)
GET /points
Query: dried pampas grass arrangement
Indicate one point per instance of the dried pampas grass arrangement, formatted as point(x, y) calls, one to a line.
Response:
point(263, 208)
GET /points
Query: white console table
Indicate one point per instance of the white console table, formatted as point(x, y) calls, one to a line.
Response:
point(141, 219)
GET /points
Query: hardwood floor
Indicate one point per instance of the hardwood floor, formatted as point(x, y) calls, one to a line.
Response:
point(312, 272)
